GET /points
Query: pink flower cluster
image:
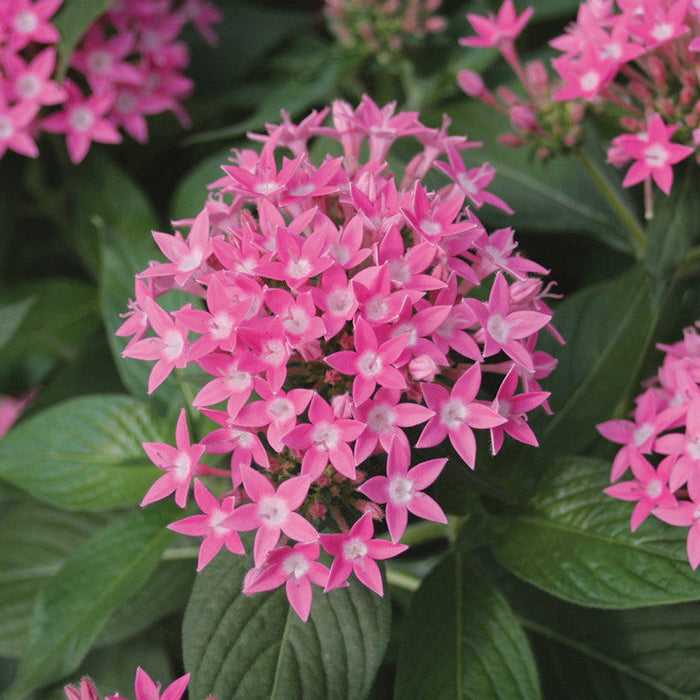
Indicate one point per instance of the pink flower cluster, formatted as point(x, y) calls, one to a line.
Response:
point(334, 307)
point(537, 119)
point(128, 65)
point(661, 444)
point(144, 688)
point(644, 60)
point(640, 60)
point(382, 28)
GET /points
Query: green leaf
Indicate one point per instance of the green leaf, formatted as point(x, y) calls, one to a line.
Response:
point(461, 640)
point(11, 316)
point(575, 542)
point(674, 228)
point(85, 453)
point(75, 605)
point(652, 653)
point(237, 646)
point(608, 328)
point(554, 197)
point(63, 317)
point(34, 542)
point(72, 21)
point(166, 593)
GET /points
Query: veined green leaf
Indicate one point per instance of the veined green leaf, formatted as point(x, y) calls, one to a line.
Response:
point(85, 453)
point(244, 647)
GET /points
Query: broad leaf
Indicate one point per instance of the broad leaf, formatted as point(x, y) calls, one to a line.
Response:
point(651, 653)
point(34, 542)
point(607, 328)
point(73, 20)
point(85, 453)
point(461, 640)
point(75, 605)
point(62, 318)
point(557, 196)
point(575, 542)
point(257, 647)
point(11, 316)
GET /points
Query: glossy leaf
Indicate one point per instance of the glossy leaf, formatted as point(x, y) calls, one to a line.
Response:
point(461, 640)
point(652, 653)
point(575, 542)
point(257, 647)
point(62, 319)
point(85, 453)
point(608, 328)
point(75, 605)
point(35, 540)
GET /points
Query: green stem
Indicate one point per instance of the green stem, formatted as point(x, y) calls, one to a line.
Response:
point(424, 532)
point(174, 553)
point(635, 232)
point(401, 579)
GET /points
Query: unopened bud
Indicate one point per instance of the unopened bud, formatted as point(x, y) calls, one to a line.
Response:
point(423, 368)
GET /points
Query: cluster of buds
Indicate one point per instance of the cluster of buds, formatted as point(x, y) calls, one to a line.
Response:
point(640, 61)
point(661, 444)
point(537, 118)
point(382, 28)
point(332, 309)
point(127, 66)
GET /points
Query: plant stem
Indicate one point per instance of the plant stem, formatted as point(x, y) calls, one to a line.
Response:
point(174, 553)
point(636, 235)
point(401, 579)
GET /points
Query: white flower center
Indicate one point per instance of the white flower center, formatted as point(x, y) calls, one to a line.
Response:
point(280, 409)
point(238, 381)
point(295, 566)
point(125, 103)
point(370, 364)
point(273, 352)
point(298, 269)
point(297, 321)
point(28, 86)
point(498, 328)
point(272, 510)
point(694, 448)
point(656, 156)
point(7, 128)
point(376, 309)
point(325, 436)
point(453, 413)
point(340, 302)
point(221, 325)
point(174, 345)
point(182, 464)
point(381, 418)
point(26, 22)
point(590, 81)
point(661, 32)
point(642, 434)
point(355, 549)
point(654, 488)
point(430, 228)
point(99, 62)
point(401, 490)
point(82, 118)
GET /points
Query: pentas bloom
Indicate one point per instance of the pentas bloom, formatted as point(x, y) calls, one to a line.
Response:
point(640, 59)
point(144, 689)
point(332, 309)
point(664, 430)
point(382, 28)
point(128, 65)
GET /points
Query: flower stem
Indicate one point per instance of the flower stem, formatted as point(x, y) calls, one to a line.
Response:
point(174, 553)
point(636, 236)
point(400, 579)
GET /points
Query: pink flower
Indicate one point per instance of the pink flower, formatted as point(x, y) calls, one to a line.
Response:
point(356, 551)
point(683, 514)
point(210, 525)
point(87, 690)
point(402, 490)
point(147, 689)
point(654, 154)
point(11, 408)
point(83, 120)
point(272, 512)
point(325, 440)
point(15, 124)
point(180, 465)
point(295, 567)
point(649, 488)
point(500, 30)
point(370, 363)
point(456, 414)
